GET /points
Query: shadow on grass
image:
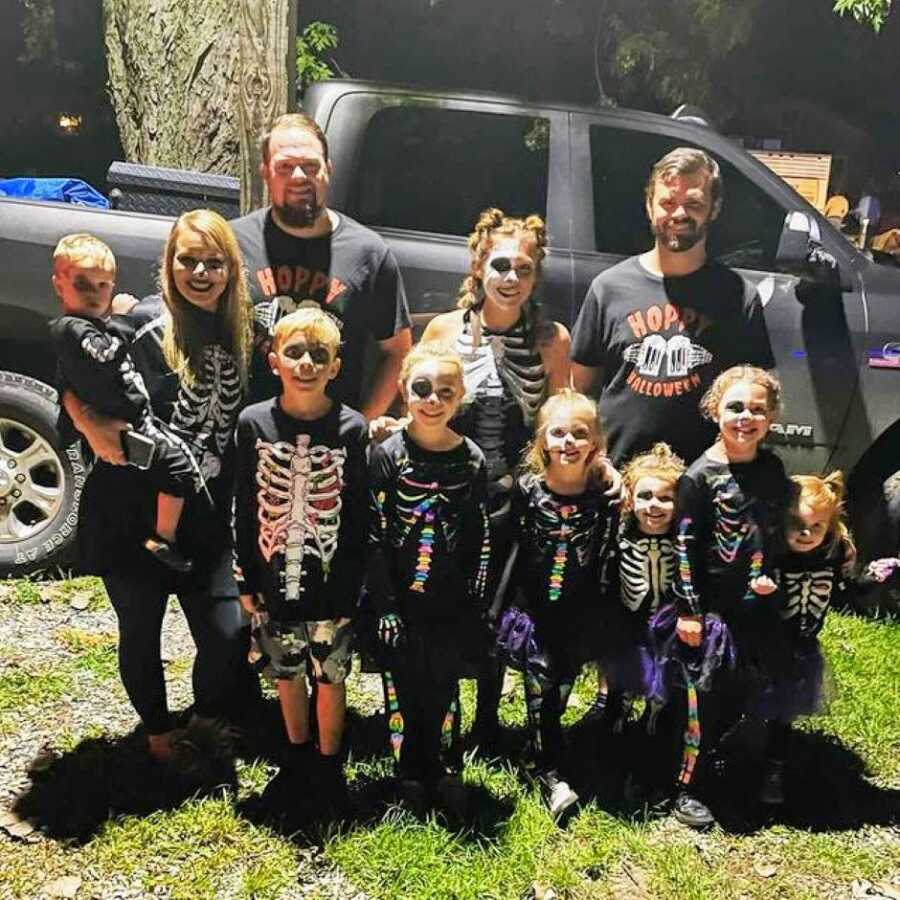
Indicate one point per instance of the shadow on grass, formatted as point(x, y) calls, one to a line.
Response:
point(102, 778)
point(825, 782)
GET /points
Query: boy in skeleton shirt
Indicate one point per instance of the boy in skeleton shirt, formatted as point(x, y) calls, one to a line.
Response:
point(429, 555)
point(643, 570)
point(301, 507)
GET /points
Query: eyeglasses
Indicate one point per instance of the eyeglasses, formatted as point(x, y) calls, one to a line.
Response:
point(423, 388)
point(502, 264)
point(212, 264)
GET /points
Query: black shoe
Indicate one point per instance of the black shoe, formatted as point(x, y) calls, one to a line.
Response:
point(596, 712)
point(692, 812)
point(333, 787)
point(167, 554)
point(557, 794)
point(452, 797)
point(414, 797)
point(772, 790)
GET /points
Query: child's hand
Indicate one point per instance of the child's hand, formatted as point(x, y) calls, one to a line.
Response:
point(690, 630)
point(384, 426)
point(881, 569)
point(611, 479)
point(763, 585)
point(390, 630)
point(122, 304)
point(248, 602)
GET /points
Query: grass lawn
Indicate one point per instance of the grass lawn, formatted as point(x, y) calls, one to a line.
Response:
point(107, 821)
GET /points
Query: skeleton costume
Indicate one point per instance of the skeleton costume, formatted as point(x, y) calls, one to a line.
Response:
point(560, 578)
point(643, 572)
point(300, 525)
point(118, 506)
point(429, 553)
point(94, 361)
point(728, 532)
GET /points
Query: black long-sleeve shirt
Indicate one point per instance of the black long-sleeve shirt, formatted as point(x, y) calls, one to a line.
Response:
point(730, 521)
point(301, 510)
point(428, 528)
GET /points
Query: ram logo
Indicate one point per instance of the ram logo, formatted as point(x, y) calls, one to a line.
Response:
point(791, 433)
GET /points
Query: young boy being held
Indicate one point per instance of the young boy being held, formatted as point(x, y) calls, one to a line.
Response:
point(300, 523)
point(92, 347)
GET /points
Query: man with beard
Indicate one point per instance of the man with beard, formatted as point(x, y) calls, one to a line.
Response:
point(300, 253)
point(656, 329)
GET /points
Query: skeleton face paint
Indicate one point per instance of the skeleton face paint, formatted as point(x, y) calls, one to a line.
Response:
point(433, 392)
point(199, 269)
point(304, 367)
point(653, 501)
point(807, 528)
point(569, 438)
point(85, 291)
point(509, 274)
point(744, 417)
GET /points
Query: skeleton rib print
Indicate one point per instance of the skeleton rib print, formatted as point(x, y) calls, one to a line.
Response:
point(299, 506)
point(646, 569)
point(807, 597)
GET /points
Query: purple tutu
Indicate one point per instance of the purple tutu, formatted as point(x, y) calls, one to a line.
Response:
point(674, 660)
point(630, 669)
point(803, 690)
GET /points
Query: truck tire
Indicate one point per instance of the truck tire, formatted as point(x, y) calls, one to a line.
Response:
point(40, 482)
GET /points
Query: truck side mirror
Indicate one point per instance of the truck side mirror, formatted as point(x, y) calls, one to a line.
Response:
point(800, 251)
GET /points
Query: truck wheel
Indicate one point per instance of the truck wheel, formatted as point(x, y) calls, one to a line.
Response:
point(40, 483)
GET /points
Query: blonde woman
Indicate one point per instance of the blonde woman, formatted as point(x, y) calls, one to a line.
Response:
point(191, 351)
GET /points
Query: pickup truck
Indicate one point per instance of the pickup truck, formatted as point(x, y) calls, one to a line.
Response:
point(418, 166)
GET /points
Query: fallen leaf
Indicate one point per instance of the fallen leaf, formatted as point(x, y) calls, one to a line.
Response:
point(765, 870)
point(80, 601)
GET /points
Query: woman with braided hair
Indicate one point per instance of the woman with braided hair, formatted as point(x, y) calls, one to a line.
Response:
point(512, 361)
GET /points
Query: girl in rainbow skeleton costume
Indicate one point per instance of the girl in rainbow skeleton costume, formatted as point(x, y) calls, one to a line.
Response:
point(428, 564)
point(563, 525)
point(720, 639)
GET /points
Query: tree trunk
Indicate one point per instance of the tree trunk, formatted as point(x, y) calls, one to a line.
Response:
point(193, 84)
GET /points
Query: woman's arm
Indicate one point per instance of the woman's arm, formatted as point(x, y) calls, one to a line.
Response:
point(555, 356)
point(103, 433)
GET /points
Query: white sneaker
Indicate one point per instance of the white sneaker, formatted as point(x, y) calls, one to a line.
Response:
point(557, 794)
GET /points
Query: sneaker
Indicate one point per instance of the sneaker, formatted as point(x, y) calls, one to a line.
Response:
point(414, 797)
point(692, 812)
point(557, 793)
point(167, 554)
point(772, 790)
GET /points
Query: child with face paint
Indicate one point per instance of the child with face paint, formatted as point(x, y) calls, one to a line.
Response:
point(563, 526)
point(643, 570)
point(812, 576)
point(721, 635)
point(429, 556)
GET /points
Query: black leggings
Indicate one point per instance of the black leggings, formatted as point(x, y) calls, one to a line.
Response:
point(219, 632)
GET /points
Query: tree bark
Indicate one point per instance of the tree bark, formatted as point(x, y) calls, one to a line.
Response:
point(194, 84)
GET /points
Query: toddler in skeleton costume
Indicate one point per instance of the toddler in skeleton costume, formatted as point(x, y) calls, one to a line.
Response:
point(300, 522)
point(564, 525)
point(721, 637)
point(643, 571)
point(429, 554)
point(93, 349)
point(812, 576)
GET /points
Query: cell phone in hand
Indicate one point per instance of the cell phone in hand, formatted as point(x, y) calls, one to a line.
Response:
point(139, 450)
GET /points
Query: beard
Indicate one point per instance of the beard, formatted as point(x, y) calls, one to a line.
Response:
point(681, 241)
point(299, 215)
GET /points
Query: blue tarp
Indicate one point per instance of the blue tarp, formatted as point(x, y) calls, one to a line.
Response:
point(60, 190)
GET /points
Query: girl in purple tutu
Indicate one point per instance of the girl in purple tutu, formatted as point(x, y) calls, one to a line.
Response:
point(643, 569)
point(721, 635)
point(811, 575)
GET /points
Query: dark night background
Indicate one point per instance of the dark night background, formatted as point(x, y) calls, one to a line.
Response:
point(818, 82)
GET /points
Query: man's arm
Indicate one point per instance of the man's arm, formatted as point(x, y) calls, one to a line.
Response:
point(103, 433)
point(387, 370)
point(586, 378)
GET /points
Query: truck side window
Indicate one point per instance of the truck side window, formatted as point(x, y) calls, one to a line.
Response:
point(427, 169)
point(745, 235)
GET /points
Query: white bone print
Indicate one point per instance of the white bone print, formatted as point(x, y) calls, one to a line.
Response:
point(646, 568)
point(300, 503)
point(808, 595)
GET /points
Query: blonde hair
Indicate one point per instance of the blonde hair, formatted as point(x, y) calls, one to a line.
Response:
point(660, 462)
point(491, 224)
point(825, 495)
point(85, 251)
point(744, 374)
point(535, 457)
point(430, 350)
point(181, 348)
point(314, 324)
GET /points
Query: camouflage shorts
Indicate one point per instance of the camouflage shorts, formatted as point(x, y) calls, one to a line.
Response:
point(318, 649)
